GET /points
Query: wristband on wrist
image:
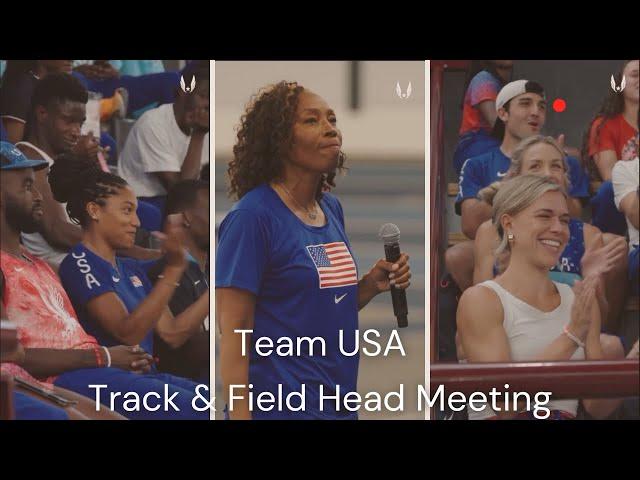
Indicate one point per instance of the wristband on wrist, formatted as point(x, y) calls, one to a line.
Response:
point(575, 339)
point(106, 351)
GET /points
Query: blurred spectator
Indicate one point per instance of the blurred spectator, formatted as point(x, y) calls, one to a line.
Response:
point(190, 200)
point(58, 111)
point(485, 79)
point(137, 68)
point(146, 89)
point(15, 103)
point(18, 84)
point(169, 143)
point(613, 133)
point(625, 184)
point(613, 136)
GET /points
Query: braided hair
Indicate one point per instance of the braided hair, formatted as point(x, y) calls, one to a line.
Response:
point(77, 180)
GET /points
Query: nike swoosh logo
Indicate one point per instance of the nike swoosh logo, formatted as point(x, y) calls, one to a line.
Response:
point(115, 279)
point(501, 174)
point(196, 282)
point(338, 299)
point(19, 269)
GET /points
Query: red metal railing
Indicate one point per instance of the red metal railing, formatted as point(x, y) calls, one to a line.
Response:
point(437, 212)
point(570, 379)
point(438, 187)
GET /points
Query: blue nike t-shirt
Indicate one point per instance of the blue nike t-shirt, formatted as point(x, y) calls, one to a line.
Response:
point(481, 171)
point(86, 275)
point(306, 284)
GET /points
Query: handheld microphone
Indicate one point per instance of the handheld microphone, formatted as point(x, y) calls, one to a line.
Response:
point(390, 235)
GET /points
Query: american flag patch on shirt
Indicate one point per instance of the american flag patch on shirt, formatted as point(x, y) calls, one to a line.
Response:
point(334, 264)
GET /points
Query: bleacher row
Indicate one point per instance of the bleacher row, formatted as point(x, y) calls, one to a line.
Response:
point(77, 163)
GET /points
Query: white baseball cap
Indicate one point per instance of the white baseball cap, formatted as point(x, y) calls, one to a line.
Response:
point(518, 87)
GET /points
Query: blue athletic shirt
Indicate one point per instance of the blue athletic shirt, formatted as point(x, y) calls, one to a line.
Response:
point(305, 281)
point(86, 275)
point(481, 171)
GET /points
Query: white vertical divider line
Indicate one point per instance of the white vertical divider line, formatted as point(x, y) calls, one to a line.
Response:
point(427, 232)
point(212, 234)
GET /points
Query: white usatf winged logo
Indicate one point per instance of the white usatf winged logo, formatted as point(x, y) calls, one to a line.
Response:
point(399, 91)
point(617, 88)
point(190, 88)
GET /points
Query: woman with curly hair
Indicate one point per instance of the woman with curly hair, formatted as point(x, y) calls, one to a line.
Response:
point(284, 265)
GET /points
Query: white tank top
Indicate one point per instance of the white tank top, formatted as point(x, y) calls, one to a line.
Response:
point(529, 331)
point(35, 242)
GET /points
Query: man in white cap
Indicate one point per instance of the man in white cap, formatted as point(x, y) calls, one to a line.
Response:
point(521, 107)
point(521, 112)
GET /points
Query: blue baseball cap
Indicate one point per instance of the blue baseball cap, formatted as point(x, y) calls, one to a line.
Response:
point(13, 159)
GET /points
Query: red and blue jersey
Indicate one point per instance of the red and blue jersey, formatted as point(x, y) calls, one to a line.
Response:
point(483, 87)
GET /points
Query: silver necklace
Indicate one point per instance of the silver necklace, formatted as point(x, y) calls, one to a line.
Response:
point(312, 215)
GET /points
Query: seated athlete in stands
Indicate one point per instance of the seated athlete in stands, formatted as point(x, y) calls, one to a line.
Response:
point(30, 405)
point(485, 79)
point(585, 250)
point(169, 143)
point(58, 111)
point(56, 348)
point(190, 200)
point(523, 315)
point(521, 107)
point(18, 86)
point(113, 296)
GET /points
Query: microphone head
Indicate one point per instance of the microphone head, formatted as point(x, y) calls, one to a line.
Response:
point(389, 233)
